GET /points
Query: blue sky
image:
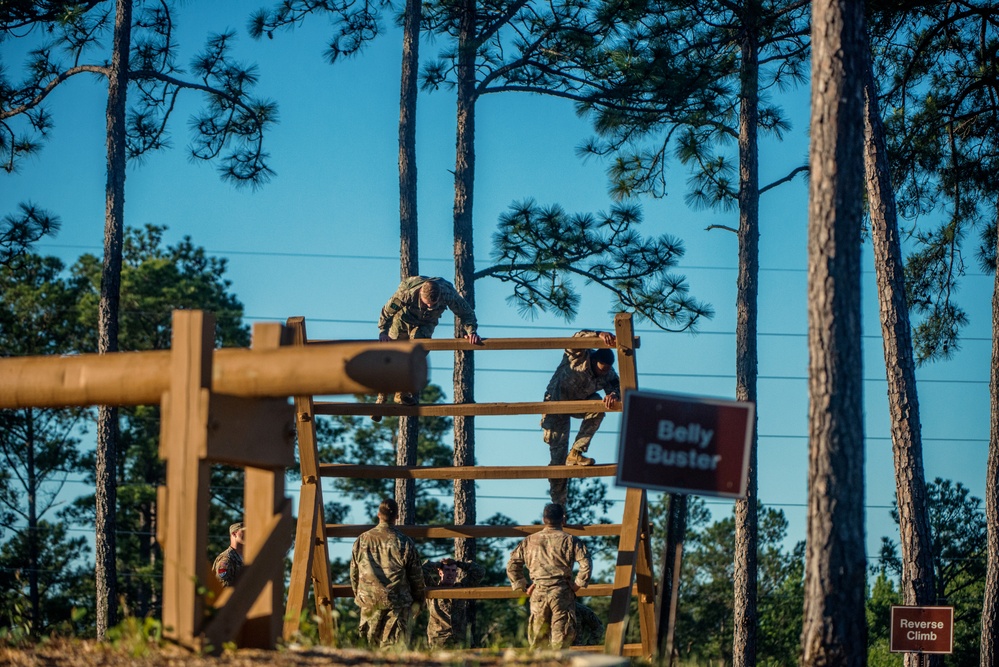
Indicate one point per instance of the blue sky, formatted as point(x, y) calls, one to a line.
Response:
point(321, 240)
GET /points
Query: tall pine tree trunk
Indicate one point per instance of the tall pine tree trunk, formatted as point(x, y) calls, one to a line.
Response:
point(409, 259)
point(834, 630)
point(990, 604)
point(107, 325)
point(746, 357)
point(31, 486)
point(464, 270)
point(900, 366)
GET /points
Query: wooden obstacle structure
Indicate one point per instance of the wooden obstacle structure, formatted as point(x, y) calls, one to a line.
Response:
point(634, 560)
point(218, 406)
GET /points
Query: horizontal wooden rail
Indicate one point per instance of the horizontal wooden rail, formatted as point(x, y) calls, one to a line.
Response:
point(463, 409)
point(576, 343)
point(352, 471)
point(140, 378)
point(628, 651)
point(482, 530)
point(488, 592)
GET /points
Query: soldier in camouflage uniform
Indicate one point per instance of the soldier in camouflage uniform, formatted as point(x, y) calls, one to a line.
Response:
point(387, 580)
point(414, 311)
point(229, 563)
point(446, 626)
point(578, 378)
point(548, 556)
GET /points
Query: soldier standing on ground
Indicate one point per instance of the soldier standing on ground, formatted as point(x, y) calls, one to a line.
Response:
point(414, 311)
point(446, 627)
point(387, 580)
point(578, 377)
point(229, 563)
point(548, 556)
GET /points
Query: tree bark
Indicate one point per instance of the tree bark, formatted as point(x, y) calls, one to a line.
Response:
point(464, 277)
point(31, 486)
point(107, 325)
point(990, 603)
point(409, 259)
point(746, 356)
point(834, 630)
point(903, 400)
point(676, 531)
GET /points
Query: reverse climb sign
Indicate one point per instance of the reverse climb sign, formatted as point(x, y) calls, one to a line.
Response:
point(685, 444)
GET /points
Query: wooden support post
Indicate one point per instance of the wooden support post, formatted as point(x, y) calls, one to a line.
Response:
point(184, 445)
point(263, 500)
point(311, 560)
point(634, 552)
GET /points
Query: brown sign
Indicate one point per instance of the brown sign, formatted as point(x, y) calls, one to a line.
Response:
point(685, 444)
point(922, 630)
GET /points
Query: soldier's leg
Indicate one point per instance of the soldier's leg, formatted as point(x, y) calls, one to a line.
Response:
point(370, 626)
point(396, 628)
point(412, 333)
point(563, 618)
point(539, 624)
point(591, 422)
point(556, 433)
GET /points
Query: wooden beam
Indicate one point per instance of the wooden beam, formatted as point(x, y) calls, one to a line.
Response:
point(484, 592)
point(465, 472)
point(464, 409)
point(624, 571)
point(236, 601)
point(503, 343)
point(140, 378)
point(183, 445)
point(251, 432)
point(335, 530)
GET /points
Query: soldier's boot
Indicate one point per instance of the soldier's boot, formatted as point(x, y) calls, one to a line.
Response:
point(379, 400)
point(577, 458)
point(405, 399)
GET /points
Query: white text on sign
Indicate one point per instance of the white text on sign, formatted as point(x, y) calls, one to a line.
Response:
point(694, 434)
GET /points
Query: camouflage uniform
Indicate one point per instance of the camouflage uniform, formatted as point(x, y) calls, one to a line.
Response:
point(227, 567)
point(589, 627)
point(446, 626)
point(574, 380)
point(387, 581)
point(549, 556)
point(404, 317)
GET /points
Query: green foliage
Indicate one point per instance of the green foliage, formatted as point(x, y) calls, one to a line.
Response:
point(18, 232)
point(539, 250)
point(937, 72)
point(704, 629)
point(960, 538)
point(674, 89)
point(39, 314)
point(137, 637)
point(70, 36)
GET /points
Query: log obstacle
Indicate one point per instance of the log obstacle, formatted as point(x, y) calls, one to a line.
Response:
point(218, 406)
point(633, 567)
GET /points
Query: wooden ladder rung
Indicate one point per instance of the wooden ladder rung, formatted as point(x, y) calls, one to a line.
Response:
point(463, 409)
point(353, 471)
point(334, 530)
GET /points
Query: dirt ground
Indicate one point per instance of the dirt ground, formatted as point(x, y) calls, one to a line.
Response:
point(93, 654)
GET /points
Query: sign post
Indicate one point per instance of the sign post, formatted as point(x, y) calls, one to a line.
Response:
point(922, 630)
point(685, 444)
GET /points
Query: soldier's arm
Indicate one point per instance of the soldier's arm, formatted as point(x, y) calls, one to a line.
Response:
point(462, 311)
point(414, 573)
point(430, 572)
point(612, 386)
point(515, 569)
point(354, 575)
point(585, 564)
point(472, 573)
point(391, 307)
point(577, 353)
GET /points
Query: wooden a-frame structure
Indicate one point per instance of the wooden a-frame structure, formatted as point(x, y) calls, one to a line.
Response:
point(633, 571)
